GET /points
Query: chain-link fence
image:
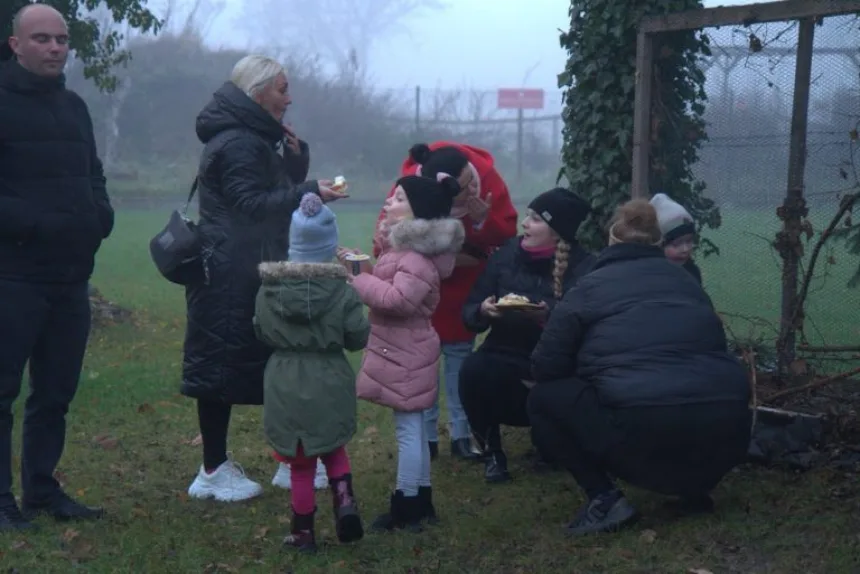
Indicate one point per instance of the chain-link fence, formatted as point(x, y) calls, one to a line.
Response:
point(750, 87)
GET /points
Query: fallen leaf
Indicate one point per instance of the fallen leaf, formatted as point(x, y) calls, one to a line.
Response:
point(20, 545)
point(197, 441)
point(182, 496)
point(145, 408)
point(416, 550)
point(105, 441)
point(167, 404)
point(81, 492)
point(339, 564)
point(69, 535)
point(138, 511)
point(698, 571)
point(648, 536)
point(261, 532)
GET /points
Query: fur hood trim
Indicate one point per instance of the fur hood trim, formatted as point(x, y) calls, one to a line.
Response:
point(429, 237)
point(287, 270)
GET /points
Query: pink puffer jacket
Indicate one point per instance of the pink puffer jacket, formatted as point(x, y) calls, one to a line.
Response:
point(401, 360)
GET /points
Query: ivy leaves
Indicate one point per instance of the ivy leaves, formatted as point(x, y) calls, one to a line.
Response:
point(600, 85)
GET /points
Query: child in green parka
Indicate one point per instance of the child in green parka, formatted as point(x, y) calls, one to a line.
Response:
point(308, 313)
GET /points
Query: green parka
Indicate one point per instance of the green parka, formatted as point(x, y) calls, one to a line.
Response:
point(309, 315)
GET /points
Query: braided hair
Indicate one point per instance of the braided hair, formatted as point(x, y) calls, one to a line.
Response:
point(562, 256)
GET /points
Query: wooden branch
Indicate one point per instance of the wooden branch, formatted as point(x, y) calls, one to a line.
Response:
point(745, 15)
point(830, 349)
point(845, 206)
point(813, 385)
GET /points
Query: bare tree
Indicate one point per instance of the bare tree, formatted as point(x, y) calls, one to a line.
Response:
point(199, 15)
point(340, 32)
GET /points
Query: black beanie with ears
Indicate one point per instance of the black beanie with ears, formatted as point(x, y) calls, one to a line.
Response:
point(429, 199)
point(445, 159)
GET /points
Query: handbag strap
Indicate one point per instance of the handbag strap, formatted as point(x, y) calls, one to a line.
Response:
point(190, 196)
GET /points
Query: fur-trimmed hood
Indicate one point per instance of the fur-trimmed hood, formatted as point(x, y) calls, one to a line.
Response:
point(429, 237)
point(300, 292)
point(288, 270)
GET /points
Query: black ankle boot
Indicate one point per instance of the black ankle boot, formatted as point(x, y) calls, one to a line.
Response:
point(302, 536)
point(607, 512)
point(462, 448)
point(347, 522)
point(404, 512)
point(434, 449)
point(496, 467)
point(428, 511)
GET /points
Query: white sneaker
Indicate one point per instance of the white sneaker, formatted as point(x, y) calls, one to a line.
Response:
point(227, 483)
point(283, 477)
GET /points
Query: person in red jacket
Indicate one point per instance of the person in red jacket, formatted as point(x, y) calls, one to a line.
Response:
point(490, 219)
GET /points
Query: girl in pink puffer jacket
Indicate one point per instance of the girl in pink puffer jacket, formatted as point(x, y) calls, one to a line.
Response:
point(401, 360)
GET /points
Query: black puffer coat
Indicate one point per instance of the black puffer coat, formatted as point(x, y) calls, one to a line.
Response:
point(248, 191)
point(643, 332)
point(54, 210)
point(511, 270)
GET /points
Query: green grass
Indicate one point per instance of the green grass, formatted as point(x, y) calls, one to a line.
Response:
point(128, 448)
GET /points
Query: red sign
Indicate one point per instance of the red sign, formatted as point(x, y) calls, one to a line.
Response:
point(521, 99)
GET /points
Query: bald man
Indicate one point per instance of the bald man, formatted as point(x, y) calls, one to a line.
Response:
point(54, 214)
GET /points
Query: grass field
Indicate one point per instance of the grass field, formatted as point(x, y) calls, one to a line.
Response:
point(128, 448)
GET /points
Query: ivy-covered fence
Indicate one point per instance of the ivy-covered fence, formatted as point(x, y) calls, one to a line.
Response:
point(638, 120)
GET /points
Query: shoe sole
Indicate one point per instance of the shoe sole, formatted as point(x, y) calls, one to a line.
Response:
point(626, 523)
point(209, 495)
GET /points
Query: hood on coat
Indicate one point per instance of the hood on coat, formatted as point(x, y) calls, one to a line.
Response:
point(429, 237)
point(304, 291)
point(231, 108)
point(480, 158)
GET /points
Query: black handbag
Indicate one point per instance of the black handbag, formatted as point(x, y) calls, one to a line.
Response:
point(177, 250)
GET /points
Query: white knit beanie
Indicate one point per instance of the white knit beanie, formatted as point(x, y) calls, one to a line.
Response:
point(674, 220)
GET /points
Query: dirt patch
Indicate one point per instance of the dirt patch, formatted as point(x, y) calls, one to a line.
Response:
point(105, 312)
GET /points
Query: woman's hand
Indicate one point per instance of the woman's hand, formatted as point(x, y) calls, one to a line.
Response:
point(327, 194)
point(478, 208)
point(292, 140)
point(489, 308)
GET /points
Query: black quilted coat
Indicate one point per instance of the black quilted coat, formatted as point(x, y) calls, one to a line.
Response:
point(248, 191)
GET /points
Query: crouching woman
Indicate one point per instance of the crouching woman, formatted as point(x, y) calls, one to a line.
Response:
point(634, 379)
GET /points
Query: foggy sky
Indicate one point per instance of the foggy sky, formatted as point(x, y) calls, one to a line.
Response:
point(496, 44)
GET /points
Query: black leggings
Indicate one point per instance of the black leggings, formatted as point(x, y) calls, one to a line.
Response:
point(214, 418)
point(493, 394)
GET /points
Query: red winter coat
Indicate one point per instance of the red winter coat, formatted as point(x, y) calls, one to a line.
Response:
point(499, 226)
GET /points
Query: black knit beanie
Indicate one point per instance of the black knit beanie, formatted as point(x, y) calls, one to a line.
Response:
point(446, 159)
point(563, 211)
point(429, 199)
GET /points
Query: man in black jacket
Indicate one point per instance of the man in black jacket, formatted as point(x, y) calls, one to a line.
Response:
point(54, 214)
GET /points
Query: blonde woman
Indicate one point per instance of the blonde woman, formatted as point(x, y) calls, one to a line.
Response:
point(252, 177)
point(540, 265)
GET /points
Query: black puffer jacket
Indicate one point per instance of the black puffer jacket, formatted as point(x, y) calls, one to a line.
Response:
point(511, 270)
point(248, 192)
point(54, 210)
point(643, 332)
